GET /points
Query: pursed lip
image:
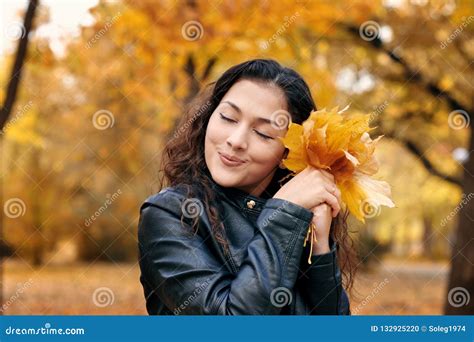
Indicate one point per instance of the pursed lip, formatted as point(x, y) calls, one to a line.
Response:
point(231, 158)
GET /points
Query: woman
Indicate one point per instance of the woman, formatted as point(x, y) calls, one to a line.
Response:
point(226, 236)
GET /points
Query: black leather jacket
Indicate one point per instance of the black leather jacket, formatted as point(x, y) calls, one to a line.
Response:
point(266, 274)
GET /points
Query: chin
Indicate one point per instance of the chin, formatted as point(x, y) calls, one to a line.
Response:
point(225, 181)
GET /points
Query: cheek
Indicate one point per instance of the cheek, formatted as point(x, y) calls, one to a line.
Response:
point(213, 140)
point(215, 133)
point(266, 156)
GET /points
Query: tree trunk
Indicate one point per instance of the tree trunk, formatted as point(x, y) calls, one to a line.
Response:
point(15, 77)
point(461, 277)
point(427, 236)
point(10, 97)
point(38, 242)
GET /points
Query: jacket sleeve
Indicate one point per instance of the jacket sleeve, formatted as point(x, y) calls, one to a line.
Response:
point(189, 279)
point(324, 290)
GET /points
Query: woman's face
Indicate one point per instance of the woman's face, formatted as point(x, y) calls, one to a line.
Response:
point(242, 149)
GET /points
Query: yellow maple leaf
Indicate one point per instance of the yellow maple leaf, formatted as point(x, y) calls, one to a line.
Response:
point(340, 144)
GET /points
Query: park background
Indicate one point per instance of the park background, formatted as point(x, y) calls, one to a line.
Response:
point(91, 90)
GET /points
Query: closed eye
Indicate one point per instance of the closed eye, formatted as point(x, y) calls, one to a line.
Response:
point(225, 118)
point(263, 135)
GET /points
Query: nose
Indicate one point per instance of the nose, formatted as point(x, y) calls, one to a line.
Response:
point(238, 139)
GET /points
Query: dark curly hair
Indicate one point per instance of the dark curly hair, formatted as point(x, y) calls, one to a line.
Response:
point(183, 161)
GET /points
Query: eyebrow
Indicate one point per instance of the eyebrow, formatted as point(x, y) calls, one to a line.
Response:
point(233, 105)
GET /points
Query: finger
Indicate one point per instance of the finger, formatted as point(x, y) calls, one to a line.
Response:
point(329, 179)
point(328, 175)
point(321, 208)
point(338, 194)
point(331, 187)
point(332, 201)
point(321, 173)
point(322, 212)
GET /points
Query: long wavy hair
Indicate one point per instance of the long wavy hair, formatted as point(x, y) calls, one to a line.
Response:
point(183, 162)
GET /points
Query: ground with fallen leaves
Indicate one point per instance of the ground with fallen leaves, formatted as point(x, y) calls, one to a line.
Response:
point(393, 287)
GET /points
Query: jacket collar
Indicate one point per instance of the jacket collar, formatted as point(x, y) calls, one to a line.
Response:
point(243, 199)
point(240, 198)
